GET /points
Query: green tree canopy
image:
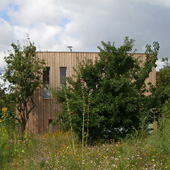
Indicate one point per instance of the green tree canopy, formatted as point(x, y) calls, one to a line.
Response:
point(161, 97)
point(2, 98)
point(24, 73)
point(117, 102)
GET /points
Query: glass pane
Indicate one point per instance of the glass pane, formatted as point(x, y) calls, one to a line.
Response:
point(46, 80)
point(62, 75)
point(46, 75)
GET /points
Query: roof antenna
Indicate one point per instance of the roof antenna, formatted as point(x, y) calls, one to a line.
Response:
point(70, 48)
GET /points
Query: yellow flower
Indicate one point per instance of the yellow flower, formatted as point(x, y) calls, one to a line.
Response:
point(19, 114)
point(16, 121)
point(153, 160)
point(4, 109)
point(6, 114)
point(0, 120)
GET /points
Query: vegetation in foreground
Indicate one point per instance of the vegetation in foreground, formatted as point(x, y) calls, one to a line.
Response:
point(54, 151)
point(61, 150)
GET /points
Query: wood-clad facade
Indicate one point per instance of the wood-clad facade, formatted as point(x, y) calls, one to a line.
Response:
point(44, 112)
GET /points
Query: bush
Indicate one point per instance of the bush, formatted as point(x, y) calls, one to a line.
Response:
point(108, 93)
point(8, 119)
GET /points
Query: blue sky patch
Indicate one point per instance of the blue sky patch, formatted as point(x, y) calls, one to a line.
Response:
point(64, 21)
point(14, 7)
point(4, 13)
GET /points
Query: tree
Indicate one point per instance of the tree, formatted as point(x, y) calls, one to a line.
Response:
point(117, 103)
point(2, 98)
point(161, 95)
point(24, 73)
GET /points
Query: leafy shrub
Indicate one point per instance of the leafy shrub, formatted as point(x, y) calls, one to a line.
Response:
point(117, 103)
point(8, 119)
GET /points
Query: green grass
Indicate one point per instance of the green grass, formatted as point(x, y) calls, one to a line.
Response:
point(54, 151)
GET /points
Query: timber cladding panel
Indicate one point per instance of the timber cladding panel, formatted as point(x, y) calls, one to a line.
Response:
point(44, 112)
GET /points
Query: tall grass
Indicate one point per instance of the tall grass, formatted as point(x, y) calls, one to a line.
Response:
point(53, 151)
point(70, 119)
point(6, 149)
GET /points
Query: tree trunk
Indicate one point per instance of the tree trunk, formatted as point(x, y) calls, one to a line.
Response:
point(23, 127)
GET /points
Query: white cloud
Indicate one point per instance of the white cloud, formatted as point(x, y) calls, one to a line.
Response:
point(32, 12)
point(55, 24)
point(6, 34)
point(4, 3)
point(6, 37)
point(159, 65)
point(43, 35)
point(163, 3)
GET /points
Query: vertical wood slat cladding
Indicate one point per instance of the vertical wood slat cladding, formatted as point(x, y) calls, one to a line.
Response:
point(39, 118)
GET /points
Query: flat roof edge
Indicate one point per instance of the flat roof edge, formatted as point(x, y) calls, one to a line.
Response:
point(75, 52)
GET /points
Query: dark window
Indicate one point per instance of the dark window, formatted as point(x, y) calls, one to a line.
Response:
point(46, 81)
point(46, 75)
point(63, 71)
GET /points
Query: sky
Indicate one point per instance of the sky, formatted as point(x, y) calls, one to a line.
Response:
point(55, 24)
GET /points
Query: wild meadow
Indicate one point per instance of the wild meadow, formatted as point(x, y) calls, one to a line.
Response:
point(55, 151)
point(104, 117)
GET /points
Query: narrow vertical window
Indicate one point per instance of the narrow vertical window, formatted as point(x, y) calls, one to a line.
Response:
point(63, 73)
point(46, 81)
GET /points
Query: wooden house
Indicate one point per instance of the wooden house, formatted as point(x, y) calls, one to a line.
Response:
point(59, 65)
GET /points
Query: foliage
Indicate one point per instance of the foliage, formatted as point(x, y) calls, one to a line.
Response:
point(117, 102)
point(8, 119)
point(161, 94)
point(6, 99)
point(24, 71)
point(53, 151)
point(5, 148)
point(2, 98)
point(12, 147)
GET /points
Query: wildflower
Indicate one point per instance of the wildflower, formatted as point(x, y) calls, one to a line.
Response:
point(41, 159)
point(5, 114)
point(0, 120)
point(72, 113)
point(114, 165)
point(16, 121)
point(139, 106)
point(91, 90)
point(140, 109)
point(4, 109)
point(19, 114)
point(10, 148)
point(153, 160)
point(82, 80)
